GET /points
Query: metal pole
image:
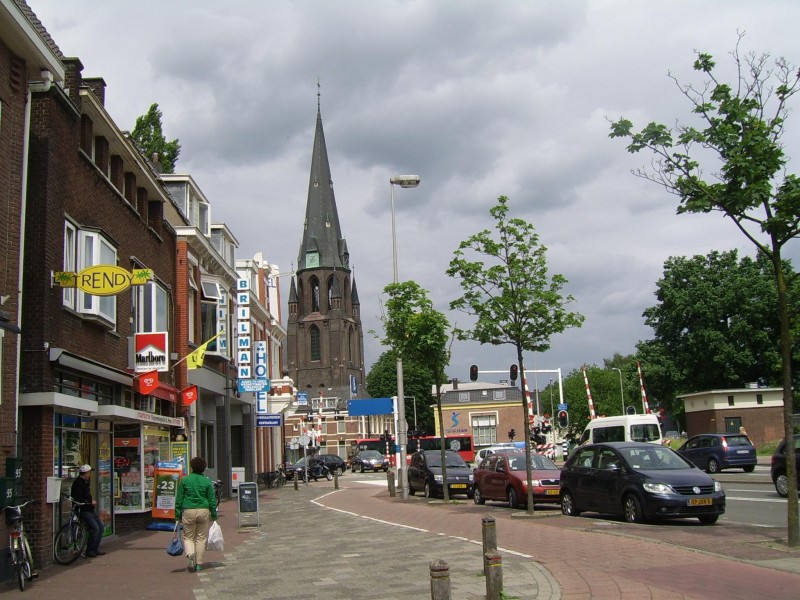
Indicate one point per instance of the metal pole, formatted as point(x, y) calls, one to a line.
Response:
point(552, 414)
point(401, 403)
point(621, 393)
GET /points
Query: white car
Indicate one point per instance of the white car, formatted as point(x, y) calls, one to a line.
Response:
point(497, 448)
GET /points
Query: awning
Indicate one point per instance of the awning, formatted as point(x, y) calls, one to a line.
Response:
point(166, 392)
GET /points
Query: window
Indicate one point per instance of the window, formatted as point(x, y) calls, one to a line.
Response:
point(83, 249)
point(207, 443)
point(316, 351)
point(759, 399)
point(150, 308)
point(730, 400)
point(733, 424)
point(211, 295)
point(484, 429)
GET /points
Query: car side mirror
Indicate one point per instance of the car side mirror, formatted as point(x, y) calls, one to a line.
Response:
point(501, 468)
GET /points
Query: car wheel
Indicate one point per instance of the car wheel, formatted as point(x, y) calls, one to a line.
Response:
point(708, 519)
point(782, 486)
point(568, 505)
point(513, 501)
point(411, 490)
point(477, 497)
point(428, 490)
point(329, 476)
point(713, 466)
point(749, 468)
point(632, 509)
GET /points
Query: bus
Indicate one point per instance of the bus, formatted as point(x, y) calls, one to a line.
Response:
point(458, 443)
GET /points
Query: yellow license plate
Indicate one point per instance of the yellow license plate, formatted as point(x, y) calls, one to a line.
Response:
point(551, 492)
point(458, 485)
point(700, 502)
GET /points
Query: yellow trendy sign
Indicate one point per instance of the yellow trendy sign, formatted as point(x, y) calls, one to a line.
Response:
point(102, 280)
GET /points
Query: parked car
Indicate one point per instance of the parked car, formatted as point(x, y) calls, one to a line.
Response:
point(369, 460)
point(714, 452)
point(778, 469)
point(488, 451)
point(504, 476)
point(336, 464)
point(316, 468)
point(639, 481)
point(425, 474)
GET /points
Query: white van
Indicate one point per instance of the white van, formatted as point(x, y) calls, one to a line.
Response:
point(624, 428)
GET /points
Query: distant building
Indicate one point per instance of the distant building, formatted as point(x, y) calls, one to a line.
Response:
point(758, 410)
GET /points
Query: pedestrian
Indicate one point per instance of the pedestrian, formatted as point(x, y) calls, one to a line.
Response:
point(196, 507)
point(81, 492)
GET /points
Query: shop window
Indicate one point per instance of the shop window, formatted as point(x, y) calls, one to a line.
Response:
point(83, 387)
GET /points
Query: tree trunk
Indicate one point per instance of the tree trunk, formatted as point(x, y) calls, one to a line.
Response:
point(526, 428)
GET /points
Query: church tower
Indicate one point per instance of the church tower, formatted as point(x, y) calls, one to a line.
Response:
point(324, 334)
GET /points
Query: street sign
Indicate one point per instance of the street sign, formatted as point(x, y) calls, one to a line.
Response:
point(268, 420)
point(302, 398)
point(563, 406)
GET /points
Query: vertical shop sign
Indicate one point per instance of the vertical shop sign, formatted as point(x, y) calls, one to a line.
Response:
point(243, 357)
point(180, 454)
point(165, 490)
point(262, 407)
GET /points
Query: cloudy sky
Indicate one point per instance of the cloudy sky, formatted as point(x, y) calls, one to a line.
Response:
point(479, 98)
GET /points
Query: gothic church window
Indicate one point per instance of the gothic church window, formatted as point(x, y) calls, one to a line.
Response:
point(316, 352)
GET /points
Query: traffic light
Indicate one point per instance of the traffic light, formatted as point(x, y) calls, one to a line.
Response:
point(473, 373)
point(563, 419)
point(513, 372)
point(511, 434)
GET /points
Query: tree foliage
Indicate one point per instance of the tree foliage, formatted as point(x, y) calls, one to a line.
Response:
point(149, 136)
point(417, 382)
point(512, 296)
point(739, 137)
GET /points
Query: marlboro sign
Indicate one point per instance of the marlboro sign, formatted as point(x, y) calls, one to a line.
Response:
point(150, 352)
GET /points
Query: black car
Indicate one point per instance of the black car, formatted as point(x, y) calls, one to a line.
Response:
point(313, 464)
point(778, 469)
point(716, 451)
point(335, 463)
point(640, 482)
point(425, 474)
point(369, 460)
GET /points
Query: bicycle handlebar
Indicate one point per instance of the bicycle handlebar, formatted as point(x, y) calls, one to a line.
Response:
point(75, 502)
point(24, 504)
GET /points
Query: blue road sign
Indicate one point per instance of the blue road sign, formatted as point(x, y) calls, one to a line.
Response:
point(268, 420)
point(562, 406)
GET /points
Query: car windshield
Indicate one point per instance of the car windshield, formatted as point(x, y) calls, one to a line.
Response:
point(301, 462)
point(653, 459)
point(737, 440)
point(453, 460)
point(517, 463)
point(371, 454)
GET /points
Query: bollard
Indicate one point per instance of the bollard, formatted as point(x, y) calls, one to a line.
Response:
point(336, 480)
point(295, 480)
point(390, 481)
point(489, 537)
point(494, 575)
point(440, 580)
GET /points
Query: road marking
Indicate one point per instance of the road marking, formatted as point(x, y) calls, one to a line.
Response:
point(781, 501)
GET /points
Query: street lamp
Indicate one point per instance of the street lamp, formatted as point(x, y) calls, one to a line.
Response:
point(404, 181)
point(621, 393)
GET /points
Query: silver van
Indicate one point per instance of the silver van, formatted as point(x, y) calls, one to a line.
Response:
point(624, 428)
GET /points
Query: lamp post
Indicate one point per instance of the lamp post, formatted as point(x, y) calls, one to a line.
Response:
point(621, 393)
point(404, 181)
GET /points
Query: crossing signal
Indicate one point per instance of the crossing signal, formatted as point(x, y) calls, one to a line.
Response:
point(563, 419)
point(511, 434)
point(513, 372)
point(473, 373)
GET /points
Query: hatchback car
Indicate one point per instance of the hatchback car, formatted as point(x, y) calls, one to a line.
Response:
point(369, 460)
point(497, 448)
point(335, 463)
point(425, 474)
point(716, 451)
point(778, 468)
point(504, 476)
point(640, 482)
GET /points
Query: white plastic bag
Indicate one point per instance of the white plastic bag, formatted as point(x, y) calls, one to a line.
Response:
point(215, 540)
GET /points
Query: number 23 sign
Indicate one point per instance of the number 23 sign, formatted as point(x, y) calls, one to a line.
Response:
point(165, 492)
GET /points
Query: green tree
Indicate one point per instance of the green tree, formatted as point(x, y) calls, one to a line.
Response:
point(149, 136)
point(513, 298)
point(417, 383)
point(745, 178)
point(419, 333)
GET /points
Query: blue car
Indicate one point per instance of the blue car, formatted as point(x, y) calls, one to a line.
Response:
point(714, 452)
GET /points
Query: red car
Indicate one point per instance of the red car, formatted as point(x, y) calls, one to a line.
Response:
point(504, 477)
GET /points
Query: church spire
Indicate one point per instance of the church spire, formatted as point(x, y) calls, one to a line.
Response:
point(322, 236)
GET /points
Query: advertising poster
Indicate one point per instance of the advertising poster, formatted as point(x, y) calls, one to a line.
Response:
point(180, 454)
point(165, 490)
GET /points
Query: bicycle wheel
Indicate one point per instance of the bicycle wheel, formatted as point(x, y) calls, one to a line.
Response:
point(27, 566)
point(70, 543)
point(19, 560)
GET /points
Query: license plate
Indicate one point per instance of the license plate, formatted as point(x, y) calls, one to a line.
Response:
point(700, 501)
point(551, 492)
point(458, 485)
point(743, 452)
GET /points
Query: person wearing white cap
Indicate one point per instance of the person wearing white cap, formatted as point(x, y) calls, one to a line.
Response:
point(81, 491)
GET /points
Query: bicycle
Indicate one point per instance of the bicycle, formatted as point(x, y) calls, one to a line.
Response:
point(18, 546)
point(272, 479)
point(70, 541)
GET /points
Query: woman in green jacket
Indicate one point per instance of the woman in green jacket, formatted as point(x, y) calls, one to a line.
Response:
point(196, 506)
